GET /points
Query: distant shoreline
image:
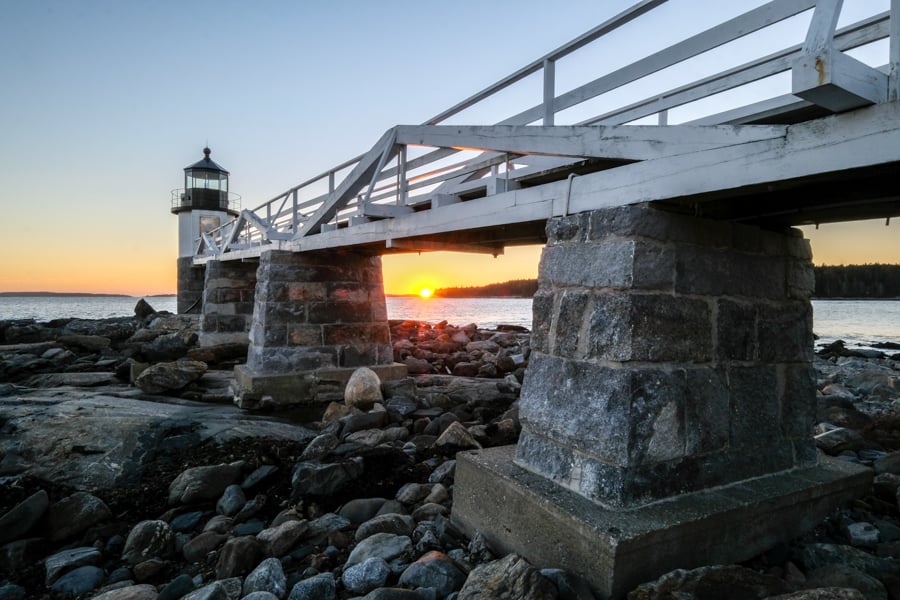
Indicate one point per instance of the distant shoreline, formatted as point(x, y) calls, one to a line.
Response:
point(74, 294)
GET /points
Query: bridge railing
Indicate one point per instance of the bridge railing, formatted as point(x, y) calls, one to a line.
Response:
point(419, 168)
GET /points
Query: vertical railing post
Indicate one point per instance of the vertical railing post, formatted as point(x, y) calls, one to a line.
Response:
point(330, 182)
point(295, 215)
point(894, 80)
point(549, 91)
point(402, 183)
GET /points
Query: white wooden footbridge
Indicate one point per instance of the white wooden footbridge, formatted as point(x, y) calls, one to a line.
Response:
point(824, 148)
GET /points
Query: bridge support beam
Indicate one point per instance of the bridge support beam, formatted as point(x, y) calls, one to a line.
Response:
point(228, 295)
point(317, 317)
point(668, 408)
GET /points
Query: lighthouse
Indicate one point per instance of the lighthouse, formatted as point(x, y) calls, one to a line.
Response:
point(202, 205)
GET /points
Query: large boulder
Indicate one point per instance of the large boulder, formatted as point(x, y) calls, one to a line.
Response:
point(147, 540)
point(75, 514)
point(509, 577)
point(363, 389)
point(22, 517)
point(722, 581)
point(166, 347)
point(170, 376)
point(321, 480)
point(204, 483)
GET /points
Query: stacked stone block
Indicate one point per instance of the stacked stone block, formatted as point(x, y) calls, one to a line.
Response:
point(670, 354)
point(315, 310)
point(190, 286)
point(228, 300)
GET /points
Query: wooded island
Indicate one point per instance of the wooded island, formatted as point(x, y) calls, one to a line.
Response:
point(875, 281)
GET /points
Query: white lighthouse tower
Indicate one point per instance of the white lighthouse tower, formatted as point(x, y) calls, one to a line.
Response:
point(202, 205)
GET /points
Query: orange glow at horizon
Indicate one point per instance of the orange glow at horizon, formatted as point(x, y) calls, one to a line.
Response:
point(409, 274)
point(91, 270)
point(425, 293)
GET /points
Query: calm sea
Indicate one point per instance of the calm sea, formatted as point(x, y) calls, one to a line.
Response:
point(861, 322)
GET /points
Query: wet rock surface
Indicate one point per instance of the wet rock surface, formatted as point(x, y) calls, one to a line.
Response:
point(108, 491)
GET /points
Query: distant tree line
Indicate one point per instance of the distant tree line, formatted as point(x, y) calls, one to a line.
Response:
point(858, 281)
point(845, 281)
point(516, 288)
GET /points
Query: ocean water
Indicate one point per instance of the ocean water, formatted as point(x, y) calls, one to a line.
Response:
point(857, 322)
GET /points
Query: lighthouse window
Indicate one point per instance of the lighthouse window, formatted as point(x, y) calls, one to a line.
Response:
point(208, 180)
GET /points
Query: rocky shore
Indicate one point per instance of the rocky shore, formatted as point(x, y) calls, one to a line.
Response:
point(127, 473)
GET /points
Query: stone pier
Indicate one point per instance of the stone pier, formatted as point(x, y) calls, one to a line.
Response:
point(190, 285)
point(228, 298)
point(317, 317)
point(668, 407)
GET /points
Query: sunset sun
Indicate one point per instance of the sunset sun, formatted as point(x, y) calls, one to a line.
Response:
point(425, 293)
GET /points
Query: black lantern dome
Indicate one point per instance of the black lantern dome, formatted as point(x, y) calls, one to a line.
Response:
point(205, 187)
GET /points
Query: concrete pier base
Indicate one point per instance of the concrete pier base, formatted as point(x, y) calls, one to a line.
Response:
point(668, 408)
point(615, 549)
point(228, 296)
point(314, 388)
point(317, 316)
point(190, 285)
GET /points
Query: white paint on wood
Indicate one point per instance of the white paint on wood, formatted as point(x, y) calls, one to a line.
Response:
point(894, 84)
point(626, 142)
point(384, 211)
point(829, 78)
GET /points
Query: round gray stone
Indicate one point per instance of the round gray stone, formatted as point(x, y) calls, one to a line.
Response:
point(203, 483)
point(396, 550)
point(78, 581)
point(318, 587)
point(148, 539)
point(434, 570)
point(366, 576)
point(232, 500)
point(268, 576)
point(363, 389)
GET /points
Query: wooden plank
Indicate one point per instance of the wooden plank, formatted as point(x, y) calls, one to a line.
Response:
point(829, 78)
point(549, 91)
point(766, 109)
point(208, 242)
point(838, 82)
point(236, 229)
point(625, 142)
point(442, 200)
point(894, 70)
point(384, 211)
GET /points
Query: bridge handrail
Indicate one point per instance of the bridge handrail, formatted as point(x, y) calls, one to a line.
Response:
point(378, 183)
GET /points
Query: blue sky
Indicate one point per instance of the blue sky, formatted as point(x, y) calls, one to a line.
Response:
point(104, 102)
